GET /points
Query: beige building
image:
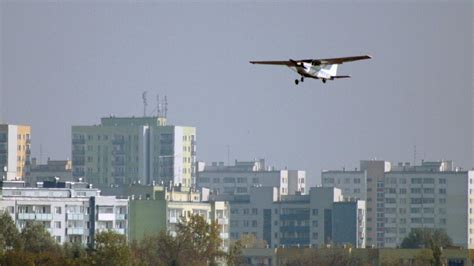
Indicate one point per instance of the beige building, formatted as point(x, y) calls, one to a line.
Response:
point(15, 151)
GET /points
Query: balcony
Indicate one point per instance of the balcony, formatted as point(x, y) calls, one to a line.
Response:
point(44, 216)
point(75, 231)
point(78, 141)
point(75, 216)
point(222, 221)
point(106, 216)
point(119, 162)
point(118, 141)
point(26, 216)
point(120, 216)
point(224, 235)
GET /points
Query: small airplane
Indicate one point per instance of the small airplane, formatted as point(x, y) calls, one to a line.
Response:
point(323, 69)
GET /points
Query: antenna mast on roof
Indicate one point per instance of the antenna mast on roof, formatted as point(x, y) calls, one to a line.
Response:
point(166, 107)
point(158, 106)
point(144, 103)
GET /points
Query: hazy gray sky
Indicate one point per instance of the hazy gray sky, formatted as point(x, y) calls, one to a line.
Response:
point(72, 63)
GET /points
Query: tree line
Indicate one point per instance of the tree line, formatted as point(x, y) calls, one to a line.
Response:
point(196, 243)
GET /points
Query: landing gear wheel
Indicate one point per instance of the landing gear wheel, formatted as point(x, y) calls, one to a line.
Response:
point(296, 81)
point(324, 80)
point(302, 79)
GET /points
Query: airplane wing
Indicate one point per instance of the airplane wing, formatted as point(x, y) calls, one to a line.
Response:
point(282, 63)
point(338, 60)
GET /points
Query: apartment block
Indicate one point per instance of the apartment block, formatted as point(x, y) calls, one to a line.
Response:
point(239, 178)
point(321, 217)
point(126, 150)
point(52, 170)
point(157, 208)
point(402, 197)
point(15, 151)
point(70, 212)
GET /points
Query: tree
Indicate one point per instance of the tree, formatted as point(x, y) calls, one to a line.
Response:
point(74, 254)
point(111, 249)
point(234, 255)
point(426, 237)
point(9, 234)
point(196, 243)
point(251, 241)
point(36, 239)
point(199, 240)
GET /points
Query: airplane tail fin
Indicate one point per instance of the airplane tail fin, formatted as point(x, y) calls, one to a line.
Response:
point(332, 70)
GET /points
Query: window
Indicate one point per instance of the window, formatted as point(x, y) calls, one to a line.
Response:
point(246, 211)
point(204, 179)
point(242, 190)
point(442, 180)
point(241, 180)
point(428, 180)
point(442, 191)
point(328, 180)
point(57, 224)
point(255, 180)
point(254, 211)
point(57, 210)
point(315, 211)
point(229, 180)
point(356, 180)
point(315, 223)
point(428, 190)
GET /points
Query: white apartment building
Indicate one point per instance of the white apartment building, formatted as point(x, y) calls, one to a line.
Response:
point(403, 197)
point(70, 212)
point(321, 217)
point(239, 178)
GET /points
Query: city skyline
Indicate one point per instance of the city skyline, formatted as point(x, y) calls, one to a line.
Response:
point(72, 64)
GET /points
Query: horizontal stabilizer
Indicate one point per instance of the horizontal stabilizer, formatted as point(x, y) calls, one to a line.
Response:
point(340, 77)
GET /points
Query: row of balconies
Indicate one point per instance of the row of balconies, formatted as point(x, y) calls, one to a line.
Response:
point(111, 216)
point(35, 216)
point(78, 141)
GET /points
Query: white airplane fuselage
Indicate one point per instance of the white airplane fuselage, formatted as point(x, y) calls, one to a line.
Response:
point(315, 71)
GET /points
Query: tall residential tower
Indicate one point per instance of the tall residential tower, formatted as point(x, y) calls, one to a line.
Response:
point(125, 150)
point(15, 151)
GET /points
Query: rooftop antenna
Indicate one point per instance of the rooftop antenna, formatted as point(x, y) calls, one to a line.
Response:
point(144, 103)
point(166, 107)
point(158, 106)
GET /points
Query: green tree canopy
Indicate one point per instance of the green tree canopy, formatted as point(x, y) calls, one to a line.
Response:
point(196, 243)
point(111, 249)
point(426, 238)
point(36, 239)
point(9, 234)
